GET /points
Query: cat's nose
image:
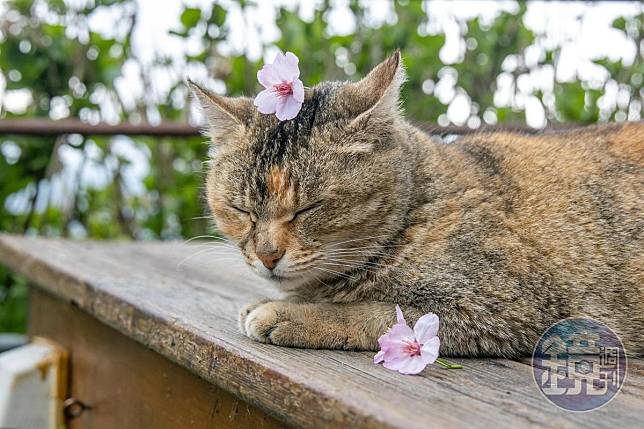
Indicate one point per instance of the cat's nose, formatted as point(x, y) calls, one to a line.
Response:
point(270, 258)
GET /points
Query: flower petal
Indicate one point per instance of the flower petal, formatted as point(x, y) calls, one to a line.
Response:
point(292, 59)
point(395, 352)
point(287, 108)
point(408, 365)
point(268, 77)
point(298, 90)
point(379, 357)
point(383, 339)
point(429, 350)
point(399, 315)
point(395, 344)
point(426, 327)
point(400, 332)
point(286, 66)
point(266, 101)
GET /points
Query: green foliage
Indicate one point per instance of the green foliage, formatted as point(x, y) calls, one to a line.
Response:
point(190, 17)
point(13, 303)
point(75, 73)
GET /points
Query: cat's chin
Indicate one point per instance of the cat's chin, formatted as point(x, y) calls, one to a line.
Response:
point(267, 274)
point(294, 283)
point(284, 282)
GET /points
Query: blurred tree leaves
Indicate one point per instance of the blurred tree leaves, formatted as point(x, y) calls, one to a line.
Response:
point(190, 17)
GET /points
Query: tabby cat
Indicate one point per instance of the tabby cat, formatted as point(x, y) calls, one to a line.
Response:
point(349, 209)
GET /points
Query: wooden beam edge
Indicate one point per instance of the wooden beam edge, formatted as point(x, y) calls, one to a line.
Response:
point(214, 361)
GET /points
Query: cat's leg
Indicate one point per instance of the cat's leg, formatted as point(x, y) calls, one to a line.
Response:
point(354, 326)
point(245, 311)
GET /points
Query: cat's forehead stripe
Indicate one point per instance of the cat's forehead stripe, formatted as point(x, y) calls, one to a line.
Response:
point(277, 142)
point(278, 185)
point(275, 146)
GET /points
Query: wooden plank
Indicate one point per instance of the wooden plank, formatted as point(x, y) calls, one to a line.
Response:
point(128, 386)
point(188, 313)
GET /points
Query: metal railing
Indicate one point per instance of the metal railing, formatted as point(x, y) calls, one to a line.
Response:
point(46, 127)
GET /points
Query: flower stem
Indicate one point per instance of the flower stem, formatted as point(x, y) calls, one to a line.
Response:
point(447, 364)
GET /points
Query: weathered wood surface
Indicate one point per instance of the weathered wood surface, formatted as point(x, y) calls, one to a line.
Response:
point(128, 386)
point(187, 312)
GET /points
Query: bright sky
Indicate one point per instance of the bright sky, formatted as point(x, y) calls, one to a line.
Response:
point(582, 29)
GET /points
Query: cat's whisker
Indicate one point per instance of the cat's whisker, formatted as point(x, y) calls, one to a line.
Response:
point(214, 237)
point(341, 263)
point(358, 257)
point(337, 273)
point(356, 239)
point(384, 256)
point(358, 263)
point(351, 267)
point(315, 277)
point(214, 242)
point(203, 252)
point(222, 246)
point(362, 250)
point(198, 237)
point(366, 247)
point(200, 252)
point(215, 247)
point(366, 255)
point(334, 273)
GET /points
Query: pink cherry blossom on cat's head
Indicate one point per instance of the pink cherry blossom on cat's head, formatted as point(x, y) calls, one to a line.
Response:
point(409, 351)
point(284, 93)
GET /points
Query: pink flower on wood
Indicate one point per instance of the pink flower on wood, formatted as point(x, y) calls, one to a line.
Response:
point(284, 93)
point(409, 351)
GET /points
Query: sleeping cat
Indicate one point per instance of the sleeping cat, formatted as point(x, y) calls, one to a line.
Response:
point(350, 210)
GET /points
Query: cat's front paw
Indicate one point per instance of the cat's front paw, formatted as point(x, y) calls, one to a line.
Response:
point(245, 311)
point(271, 322)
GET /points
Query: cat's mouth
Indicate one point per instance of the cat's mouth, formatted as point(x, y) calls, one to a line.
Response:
point(281, 277)
point(274, 275)
point(284, 275)
point(312, 267)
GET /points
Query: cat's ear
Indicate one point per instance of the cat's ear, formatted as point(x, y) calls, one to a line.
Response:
point(225, 115)
point(377, 95)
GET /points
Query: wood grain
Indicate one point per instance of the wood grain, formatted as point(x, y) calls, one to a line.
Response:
point(128, 386)
point(187, 312)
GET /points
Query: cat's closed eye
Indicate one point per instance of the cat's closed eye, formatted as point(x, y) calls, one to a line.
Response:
point(305, 210)
point(247, 213)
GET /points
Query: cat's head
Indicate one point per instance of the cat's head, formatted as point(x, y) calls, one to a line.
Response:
point(316, 196)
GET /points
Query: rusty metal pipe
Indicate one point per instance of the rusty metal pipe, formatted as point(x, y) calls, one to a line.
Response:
point(46, 127)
